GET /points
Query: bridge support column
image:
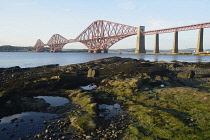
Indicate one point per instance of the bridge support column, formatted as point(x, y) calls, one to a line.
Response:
point(105, 50)
point(156, 45)
point(90, 51)
point(140, 41)
point(200, 41)
point(97, 51)
point(175, 43)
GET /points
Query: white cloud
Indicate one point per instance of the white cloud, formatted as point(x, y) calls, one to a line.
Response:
point(126, 4)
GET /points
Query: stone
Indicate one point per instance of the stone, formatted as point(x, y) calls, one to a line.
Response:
point(174, 65)
point(89, 73)
point(88, 137)
point(55, 77)
point(161, 62)
point(93, 73)
point(43, 79)
point(186, 74)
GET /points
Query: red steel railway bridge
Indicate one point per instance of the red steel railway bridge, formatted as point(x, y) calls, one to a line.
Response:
point(101, 35)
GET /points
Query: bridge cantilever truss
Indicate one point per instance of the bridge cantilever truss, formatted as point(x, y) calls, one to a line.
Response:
point(100, 35)
point(39, 45)
point(57, 42)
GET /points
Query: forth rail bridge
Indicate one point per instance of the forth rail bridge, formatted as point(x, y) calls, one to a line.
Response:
point(101, 35)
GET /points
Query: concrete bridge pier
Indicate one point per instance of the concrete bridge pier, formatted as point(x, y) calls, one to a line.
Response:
point(200, 41)
point(97, 51)
point(90, 51)
point(140, 41)
point(156, 45)
point(175, 43)
point(105, 50)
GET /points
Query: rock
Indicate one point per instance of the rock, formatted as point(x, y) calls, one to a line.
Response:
point(88, 137)
point(174, 65)
point(93, 73)
point(43, 79)
point(3, 129)
point(55, 77)
point(135, 82)
point(48, 66)
point(38, 136)
point(46, 131)
point(186, 74)
point(161, 62)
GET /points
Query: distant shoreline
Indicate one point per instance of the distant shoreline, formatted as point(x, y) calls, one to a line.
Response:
point(187, 54)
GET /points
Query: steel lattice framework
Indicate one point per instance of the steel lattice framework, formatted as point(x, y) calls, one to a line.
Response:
point(57, 42)
point(176, 29)
point(101, 34)
point(39, 45)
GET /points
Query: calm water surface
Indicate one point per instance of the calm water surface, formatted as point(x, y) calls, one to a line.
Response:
point(26, 123)
point(33, 59)
point(54, 100)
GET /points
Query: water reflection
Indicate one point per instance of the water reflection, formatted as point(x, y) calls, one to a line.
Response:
point(24, 124)
point(54, 100)
point(111, 110)
point(88, 87)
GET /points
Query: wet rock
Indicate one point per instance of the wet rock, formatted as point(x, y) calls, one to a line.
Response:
point(11, 136)
point(3, 129)
point(38, 136)
point(45, 122)
point(35, 104)
point(186, 74)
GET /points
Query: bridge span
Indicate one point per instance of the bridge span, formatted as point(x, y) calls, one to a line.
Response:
point(101, 35)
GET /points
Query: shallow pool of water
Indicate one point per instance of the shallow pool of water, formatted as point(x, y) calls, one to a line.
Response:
point(111, 110)
point(54, 100)
point(24, 124)
point(88, 87)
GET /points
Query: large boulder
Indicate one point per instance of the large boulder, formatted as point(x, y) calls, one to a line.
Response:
point(186, 74)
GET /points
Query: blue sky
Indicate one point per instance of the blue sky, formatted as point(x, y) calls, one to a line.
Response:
point(22, 22)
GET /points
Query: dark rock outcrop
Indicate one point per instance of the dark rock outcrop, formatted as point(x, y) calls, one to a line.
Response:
point(186, 74)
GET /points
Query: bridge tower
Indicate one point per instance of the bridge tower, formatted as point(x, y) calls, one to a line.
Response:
point(156, 44)
point(200, 41)
point(175, 43)
point(140, 41)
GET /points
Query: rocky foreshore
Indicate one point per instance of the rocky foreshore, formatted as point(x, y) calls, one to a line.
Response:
point(150, 100)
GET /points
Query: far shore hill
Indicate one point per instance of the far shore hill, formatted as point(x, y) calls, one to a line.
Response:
point(9, 48)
